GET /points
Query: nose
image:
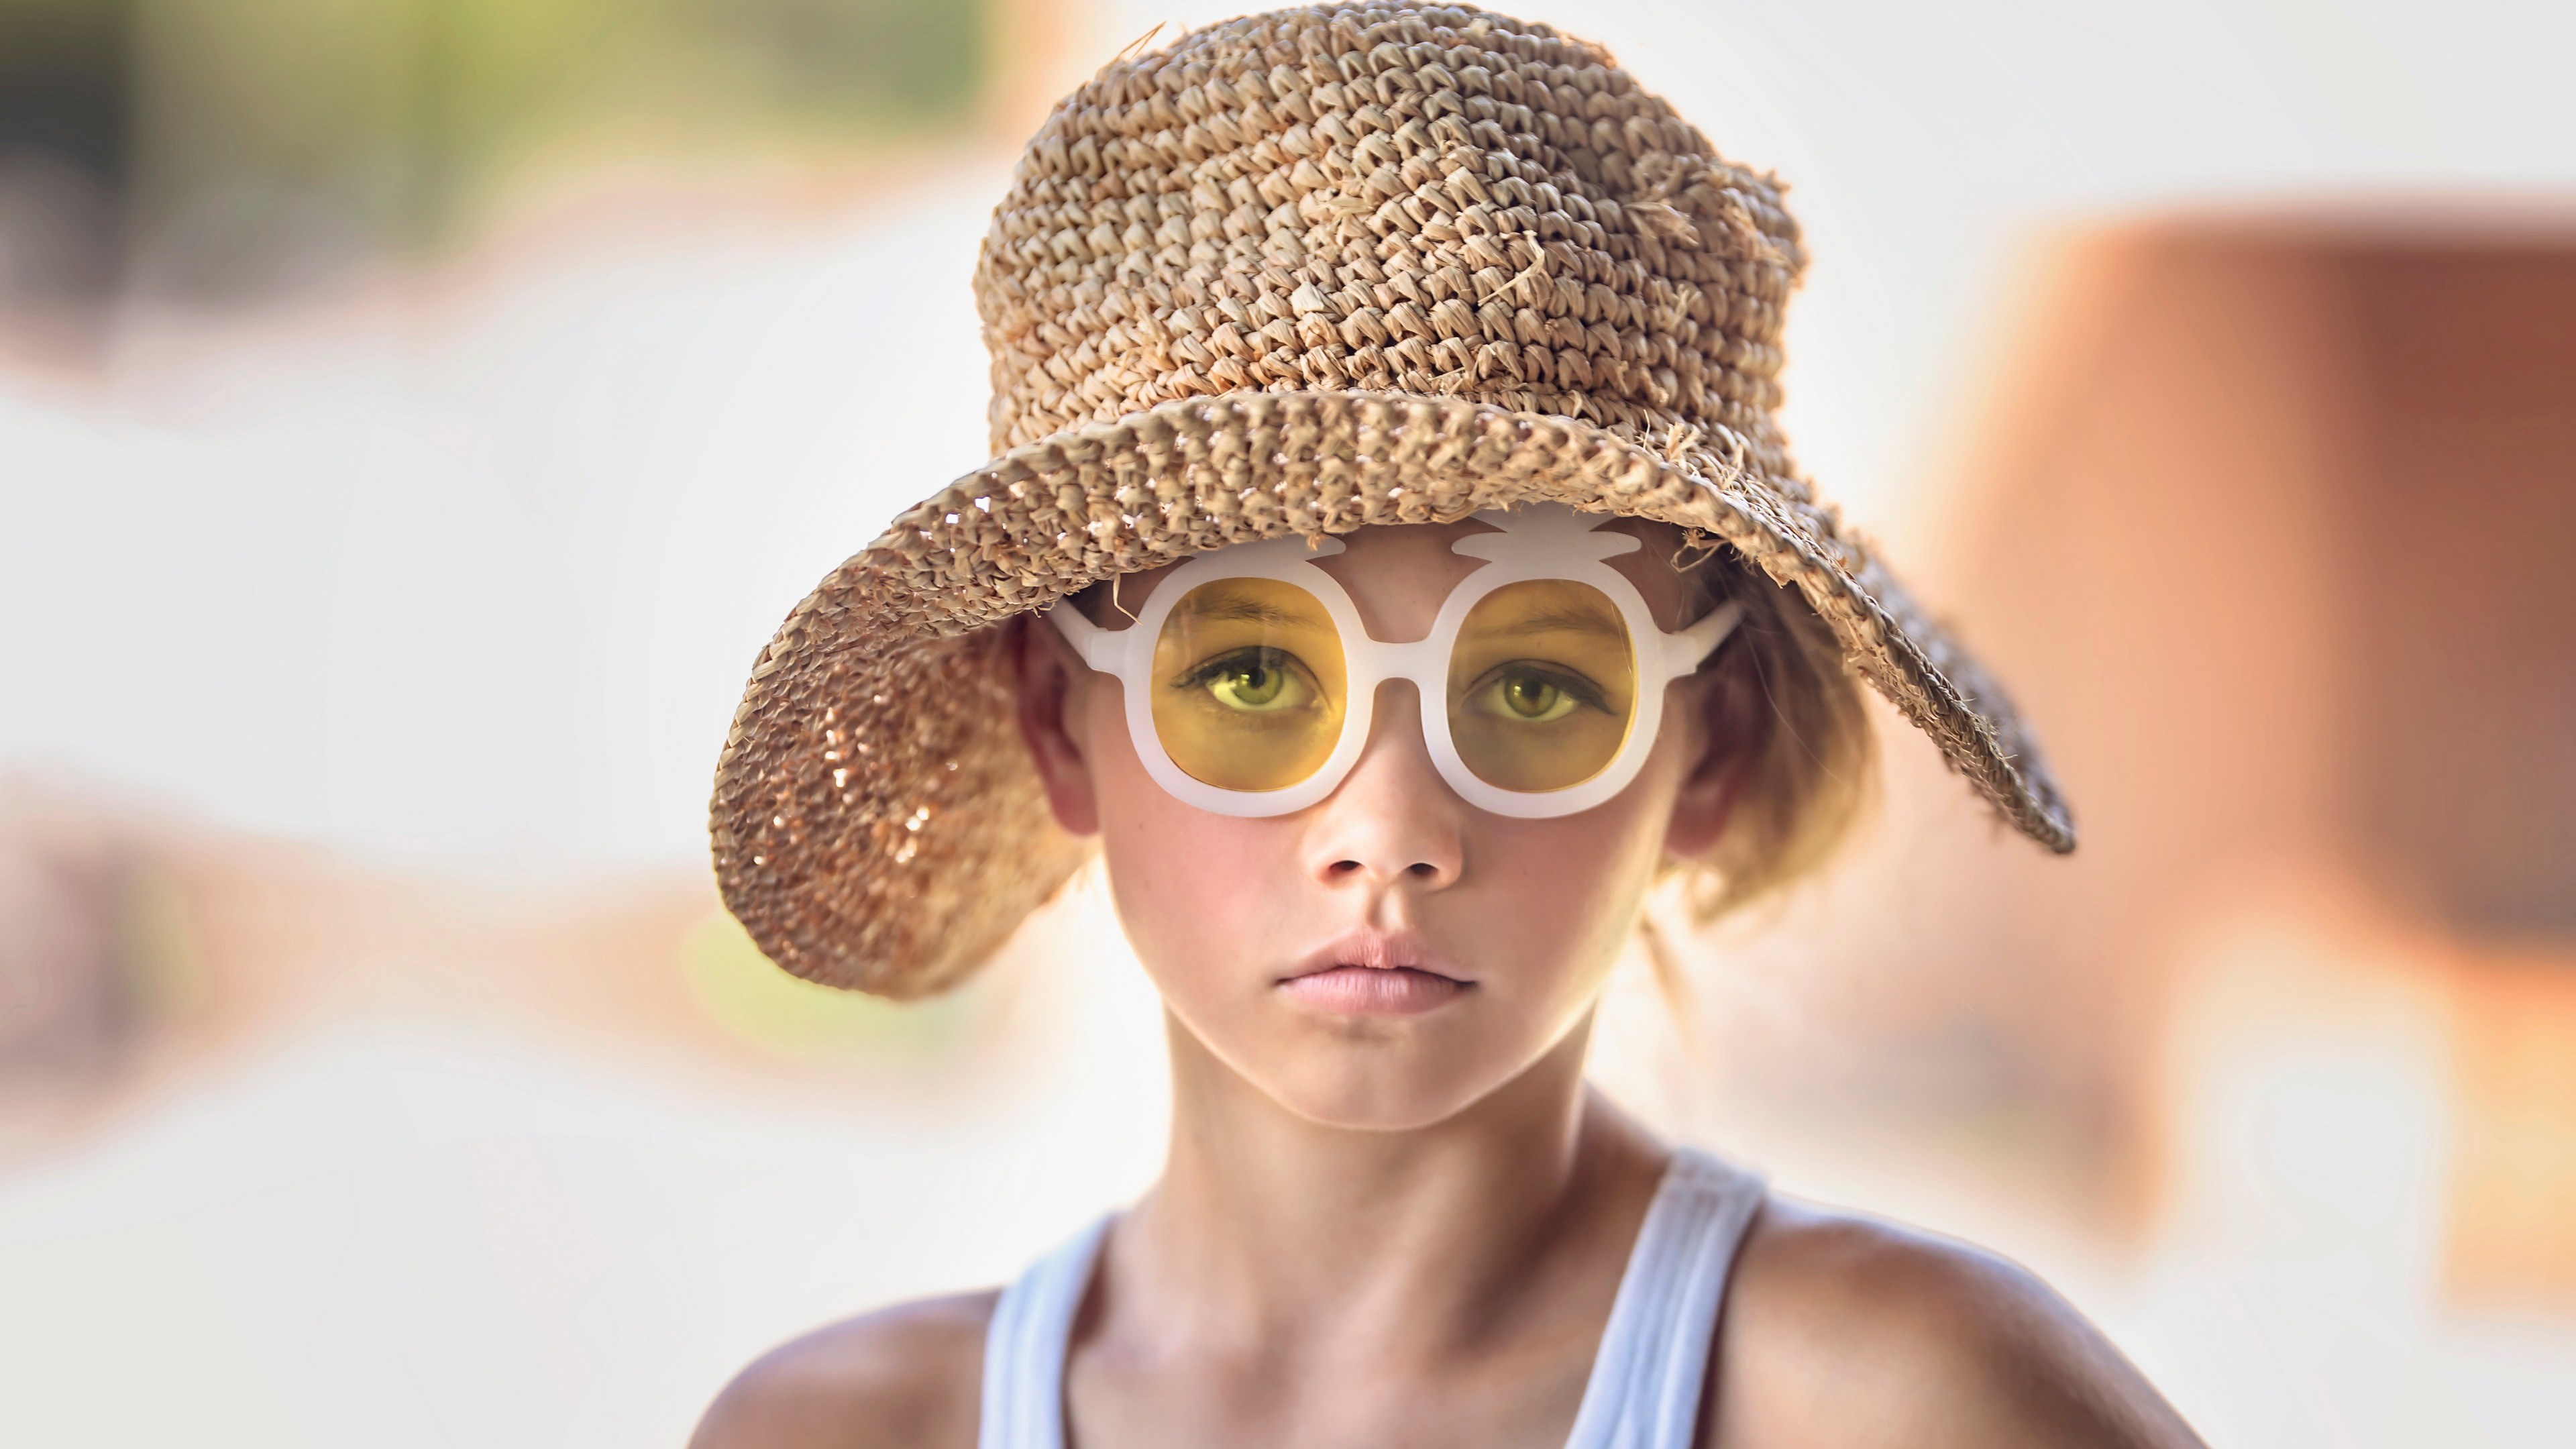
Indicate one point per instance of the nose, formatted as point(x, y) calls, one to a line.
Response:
point(1393, 820)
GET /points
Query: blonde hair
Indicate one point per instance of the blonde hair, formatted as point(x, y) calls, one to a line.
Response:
point(1814, 771)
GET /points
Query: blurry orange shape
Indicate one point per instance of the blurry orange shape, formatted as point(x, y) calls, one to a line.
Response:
point(747, 997)
point(2513, 1209)
point(2270, 523)
point(158, 954)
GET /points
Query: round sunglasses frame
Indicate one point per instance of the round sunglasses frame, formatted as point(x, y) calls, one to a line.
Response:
point(1547, 541)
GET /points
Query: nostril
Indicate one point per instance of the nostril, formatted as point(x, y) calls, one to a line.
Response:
point(1423, 868)
point(1343, 867)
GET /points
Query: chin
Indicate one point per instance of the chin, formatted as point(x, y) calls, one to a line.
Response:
point(1356, 1086)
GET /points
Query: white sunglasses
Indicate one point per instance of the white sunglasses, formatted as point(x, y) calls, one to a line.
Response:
point(1249, 678)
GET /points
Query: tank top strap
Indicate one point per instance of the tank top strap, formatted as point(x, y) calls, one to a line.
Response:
point(1647, 1378)
point(1024, 1347)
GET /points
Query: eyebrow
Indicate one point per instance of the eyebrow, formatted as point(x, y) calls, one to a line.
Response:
point(1573, 620)
point(1236, 610)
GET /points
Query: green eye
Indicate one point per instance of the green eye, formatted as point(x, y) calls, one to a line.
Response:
point(1250, 686)
point(1535, 700)
point(1533, 696)
point(1254, 681)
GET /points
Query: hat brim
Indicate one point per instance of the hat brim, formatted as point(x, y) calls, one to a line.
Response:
point(876, 822)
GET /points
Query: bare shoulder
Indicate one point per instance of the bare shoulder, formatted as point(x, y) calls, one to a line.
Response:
point(909, 1377)
point(1842, 1329)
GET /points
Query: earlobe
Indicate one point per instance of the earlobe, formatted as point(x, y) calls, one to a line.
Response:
point(1050, 680)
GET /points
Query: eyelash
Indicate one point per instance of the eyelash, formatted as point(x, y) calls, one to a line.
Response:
point(1585, 692)
point(1258, 655)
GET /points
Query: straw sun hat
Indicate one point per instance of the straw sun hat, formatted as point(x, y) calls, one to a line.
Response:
point(1296, 274)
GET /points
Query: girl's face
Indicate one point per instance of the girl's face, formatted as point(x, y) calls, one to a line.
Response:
point(1391, 955)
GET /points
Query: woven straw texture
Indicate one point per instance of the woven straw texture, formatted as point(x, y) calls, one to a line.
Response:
point(1297, 274)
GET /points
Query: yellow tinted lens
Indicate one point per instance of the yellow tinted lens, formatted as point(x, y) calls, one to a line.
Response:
point(1542, 685)
point(1248, 684)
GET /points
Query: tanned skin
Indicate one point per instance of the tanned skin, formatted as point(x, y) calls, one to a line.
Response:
point(1376, 1231)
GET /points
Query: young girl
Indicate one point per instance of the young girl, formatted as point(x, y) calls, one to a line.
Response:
point(1394, 566)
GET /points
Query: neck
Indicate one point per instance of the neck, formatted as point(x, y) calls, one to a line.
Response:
point(1267, 1224)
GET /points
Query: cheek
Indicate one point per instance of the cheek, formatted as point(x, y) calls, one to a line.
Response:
point(1567, 895)
point(1191, 886)
point(1572, 885)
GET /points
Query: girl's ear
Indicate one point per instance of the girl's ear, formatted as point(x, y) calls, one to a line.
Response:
point(1053, 685)
point(1723, 727)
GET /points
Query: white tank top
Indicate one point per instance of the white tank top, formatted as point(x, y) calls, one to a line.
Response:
point(1645, 1387)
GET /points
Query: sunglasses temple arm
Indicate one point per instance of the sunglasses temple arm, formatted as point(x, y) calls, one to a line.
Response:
point(1689, 649)
point(1088, 639)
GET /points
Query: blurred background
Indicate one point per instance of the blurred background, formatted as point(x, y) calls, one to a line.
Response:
point(416, 414)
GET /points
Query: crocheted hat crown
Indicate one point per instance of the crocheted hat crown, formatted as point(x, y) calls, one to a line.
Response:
point(1439, 202)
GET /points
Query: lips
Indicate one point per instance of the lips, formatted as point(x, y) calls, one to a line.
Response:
point(1372, 973)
